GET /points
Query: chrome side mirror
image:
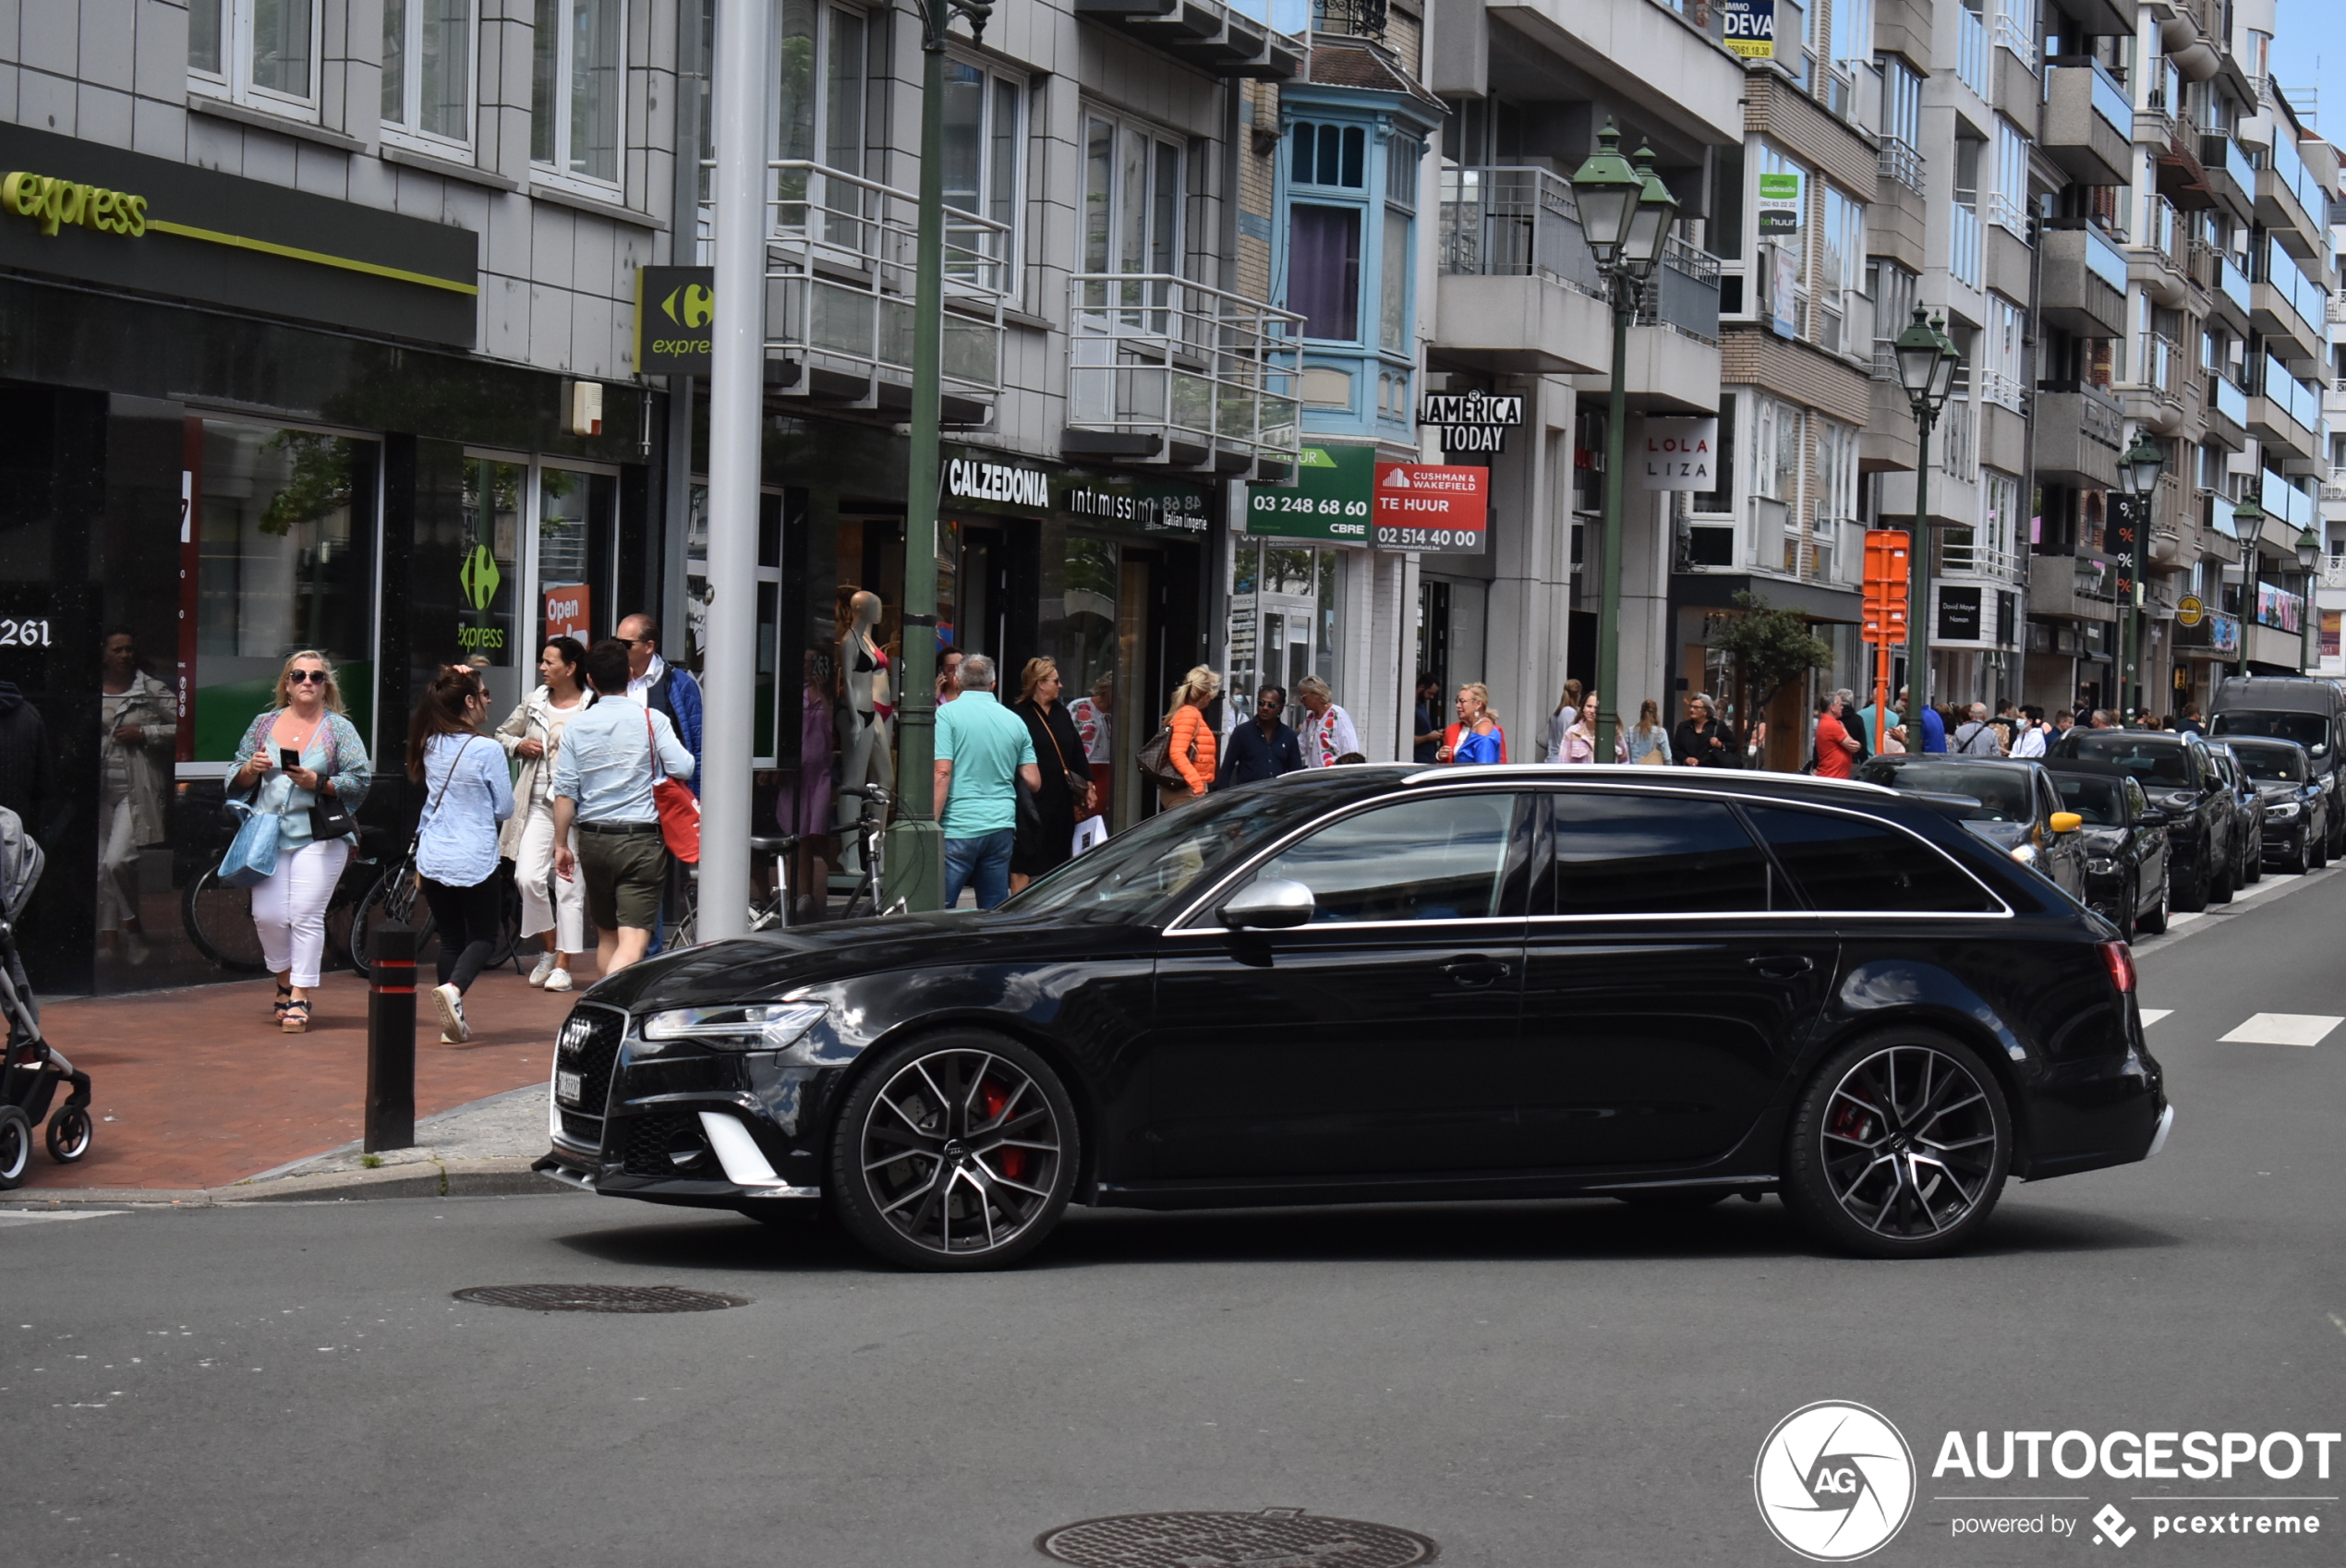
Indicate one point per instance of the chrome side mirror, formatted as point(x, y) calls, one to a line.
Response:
point(1270, 904)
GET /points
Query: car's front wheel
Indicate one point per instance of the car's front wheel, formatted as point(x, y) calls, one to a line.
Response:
point(954, 1152)
point(1899, 1146)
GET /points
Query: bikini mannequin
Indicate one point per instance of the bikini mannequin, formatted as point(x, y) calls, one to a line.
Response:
point(866, 757)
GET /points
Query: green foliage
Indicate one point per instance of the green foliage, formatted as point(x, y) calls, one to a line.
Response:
point(320, 484)
point(1772, 648)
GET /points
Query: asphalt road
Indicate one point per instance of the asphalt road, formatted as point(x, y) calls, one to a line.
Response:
point(1537, 1384)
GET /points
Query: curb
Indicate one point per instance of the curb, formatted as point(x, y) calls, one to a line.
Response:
point(505, 1177)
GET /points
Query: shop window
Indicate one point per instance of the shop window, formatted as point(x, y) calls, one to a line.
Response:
point(1133, 199)
point(428, 70)
point(284, 539)
point(263, 52)
point(578, 78)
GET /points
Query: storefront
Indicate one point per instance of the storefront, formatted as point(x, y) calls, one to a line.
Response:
point(256, 425)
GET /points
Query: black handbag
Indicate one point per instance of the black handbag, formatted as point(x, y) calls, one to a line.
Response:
point(329, 817)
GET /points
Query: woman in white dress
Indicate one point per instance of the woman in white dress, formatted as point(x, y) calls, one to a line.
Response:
point(533, 734)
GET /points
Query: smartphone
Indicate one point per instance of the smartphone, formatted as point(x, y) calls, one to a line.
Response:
point(287, 758)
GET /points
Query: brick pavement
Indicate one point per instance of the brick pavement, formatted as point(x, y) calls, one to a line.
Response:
point(196, 1088)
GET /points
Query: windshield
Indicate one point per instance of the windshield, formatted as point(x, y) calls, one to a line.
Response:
point(2279, 763)
point(2096, 799)
point(2148, 761)
point(2002, 793)
point(1135, 871)
point(2310, 731)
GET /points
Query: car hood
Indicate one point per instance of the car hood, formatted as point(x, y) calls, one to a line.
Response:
point(2278, 788)
point(770, 964)
point(2104, 838)
point(2005, 836)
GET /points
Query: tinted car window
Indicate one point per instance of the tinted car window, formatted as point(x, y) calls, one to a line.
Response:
point(2096, 799)
point(2146, 760)
point(2310, 731)
point(2002, 793)
point(1140, 868)
point(1442, 857)
point(1843, 862)
point(1641, 855)
point(2271, 762)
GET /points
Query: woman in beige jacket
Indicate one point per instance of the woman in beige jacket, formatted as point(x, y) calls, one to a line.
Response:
point(533, 734)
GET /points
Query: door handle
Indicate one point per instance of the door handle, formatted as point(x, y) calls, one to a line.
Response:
point(1475, 970)
point(1782, 966)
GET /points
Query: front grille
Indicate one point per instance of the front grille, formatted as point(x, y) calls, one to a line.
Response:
point(669, 1144)
point(588, 1044)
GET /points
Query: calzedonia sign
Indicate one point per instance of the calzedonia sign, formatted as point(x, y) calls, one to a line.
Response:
point(975, 482)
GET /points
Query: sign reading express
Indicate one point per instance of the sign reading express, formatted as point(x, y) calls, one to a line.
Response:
point(1328, 502)
point(1422, 507)
point(675, 311)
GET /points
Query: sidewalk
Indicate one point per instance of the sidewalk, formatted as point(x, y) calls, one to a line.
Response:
point(196, 1089)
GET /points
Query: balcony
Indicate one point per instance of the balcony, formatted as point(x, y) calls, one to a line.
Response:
point(2230, 301)
point(2290, 202)
point(2227, 408)
point(1162, 370)
point(839, 295)
point(2087, 591)
point(2158, 259)
point(2284, 304)
point(2231, 178)
point(2284, 412)
point(2088, 122)
point(1237, 39)
point(2082, 283)
point(2153, 385)
point(2077, 435)
point(1671, 66)
point(1898, 161)
point(1961, 555)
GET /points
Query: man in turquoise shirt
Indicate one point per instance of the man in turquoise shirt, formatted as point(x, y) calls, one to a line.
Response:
point(980, 745)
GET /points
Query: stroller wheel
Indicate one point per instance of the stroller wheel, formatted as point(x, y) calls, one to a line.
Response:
point(16, 1147)
point(69, 1134)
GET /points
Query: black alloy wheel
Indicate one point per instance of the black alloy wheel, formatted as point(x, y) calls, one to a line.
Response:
point(2301, 861)
point(2316, 849)
point(1899, 1146)
point(2154, 922)
point(16, 1147)
point(70, 1133)
point(954, 1152)
point(2191, 896)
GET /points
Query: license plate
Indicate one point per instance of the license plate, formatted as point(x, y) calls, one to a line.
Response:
point(570, 1087)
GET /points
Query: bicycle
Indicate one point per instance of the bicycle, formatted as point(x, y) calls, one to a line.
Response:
point(397, 896)
point(218, 918)
point(777, 909)
point(871, 832)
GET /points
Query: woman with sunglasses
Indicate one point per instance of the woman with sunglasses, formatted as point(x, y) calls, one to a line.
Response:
point(301, 760)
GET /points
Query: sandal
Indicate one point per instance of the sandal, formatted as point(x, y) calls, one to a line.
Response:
point(284, 1000)
point(297, 1020)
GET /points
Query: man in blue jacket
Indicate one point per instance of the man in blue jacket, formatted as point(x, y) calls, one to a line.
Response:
point(662, 686)
point(1263, 749)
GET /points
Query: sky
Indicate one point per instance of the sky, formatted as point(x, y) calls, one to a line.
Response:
point(2310, 51)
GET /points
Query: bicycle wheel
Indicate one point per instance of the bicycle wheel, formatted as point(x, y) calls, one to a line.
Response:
point(219, 922)
point(508, 922)
point(395, 897)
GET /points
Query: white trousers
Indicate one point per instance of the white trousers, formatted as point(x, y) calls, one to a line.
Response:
point(564, 913)
point(289, 910)
point(118, 865)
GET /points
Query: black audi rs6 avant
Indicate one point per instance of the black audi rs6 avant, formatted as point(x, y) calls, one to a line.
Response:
point(1383, 984)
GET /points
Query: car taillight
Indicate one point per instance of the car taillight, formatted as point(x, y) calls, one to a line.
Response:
point(2121, 960)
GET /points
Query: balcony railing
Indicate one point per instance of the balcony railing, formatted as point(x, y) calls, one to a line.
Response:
point(1897, 160)
point(1210, 372)
point(2010, 32)
point(2158, 362)
point(2230, 400)
point(2237, 165)
point(1683, 294)
point(1357, 18)
point(2282, 499)
point(2104, 259)
point(2233, 281)
point(2097, 580)
point(1509, 221)
point(2301, 402)
point(840, 267)
point(2112, 102)
point(1958, 552)
point(2308, 298)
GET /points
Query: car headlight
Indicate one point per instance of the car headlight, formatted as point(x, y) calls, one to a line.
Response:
point(2101, 866)
point(2281, 811)
point(2025, 853)
point(760, 1027)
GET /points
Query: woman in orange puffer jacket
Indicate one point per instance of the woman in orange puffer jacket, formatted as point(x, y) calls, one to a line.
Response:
point(1193, 749)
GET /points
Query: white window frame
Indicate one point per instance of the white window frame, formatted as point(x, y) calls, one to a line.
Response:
point(1153, 244)
point(234, 80)
point(407, 131)
point(995, 205)
point(559, 173)
point(2008, 201)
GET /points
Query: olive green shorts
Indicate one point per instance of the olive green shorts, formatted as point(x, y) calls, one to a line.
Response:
point(625, 873)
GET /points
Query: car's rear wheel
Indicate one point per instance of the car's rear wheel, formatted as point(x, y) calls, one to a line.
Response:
point(2252, 862)
point(1899, 1146)
point(2154, 921)
point(2223, 885)
point(954, 1152)
point(2130, 909)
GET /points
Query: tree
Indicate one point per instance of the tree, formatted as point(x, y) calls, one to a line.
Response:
point(1770, 649)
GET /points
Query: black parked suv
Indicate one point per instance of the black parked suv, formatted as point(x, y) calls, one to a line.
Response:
point(2289, 708)
point(2182, 780)
point(2297, 808)
point(1376, 985)
point(2125, 839)
point(2019, 811)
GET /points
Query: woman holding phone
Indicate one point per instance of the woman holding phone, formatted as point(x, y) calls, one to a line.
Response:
point(302, 761)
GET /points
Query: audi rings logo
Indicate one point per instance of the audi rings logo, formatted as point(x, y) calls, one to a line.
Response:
point(1835, 1481)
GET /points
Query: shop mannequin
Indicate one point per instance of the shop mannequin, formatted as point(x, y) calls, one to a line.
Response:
point(866, 756)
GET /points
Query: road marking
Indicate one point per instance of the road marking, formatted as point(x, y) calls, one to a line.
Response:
point(2176, 921)
point(2273, 880)
point(34, 1216)
point(2152, 1015)
point(2283, 1029)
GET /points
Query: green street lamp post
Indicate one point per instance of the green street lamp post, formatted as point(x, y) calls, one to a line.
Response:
point(1927, 361)
point(2248, 521)
point(2309, 550)
point(2138, 473)
point(916, 840)
point(1624, 215)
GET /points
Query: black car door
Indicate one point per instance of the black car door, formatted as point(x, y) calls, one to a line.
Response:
point(1378, 1037)
point(2063, 858)
point(2148, 841)
point(1669, 980)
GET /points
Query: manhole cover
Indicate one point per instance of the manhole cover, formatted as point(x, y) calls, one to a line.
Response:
point(1276, 1538)
point(600, 1298)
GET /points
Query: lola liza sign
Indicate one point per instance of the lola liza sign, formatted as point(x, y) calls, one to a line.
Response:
point(1678, 454)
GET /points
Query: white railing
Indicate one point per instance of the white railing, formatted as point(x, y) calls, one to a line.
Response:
point(1152, 354)
point(2009, 34)
point(840, 277)
point(1997, 387)
point(1897, 160)
point(2003, 210)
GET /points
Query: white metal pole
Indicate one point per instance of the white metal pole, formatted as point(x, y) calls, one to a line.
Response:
point(736, 408)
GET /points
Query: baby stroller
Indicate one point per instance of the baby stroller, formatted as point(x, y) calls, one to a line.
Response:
point(31, 1070)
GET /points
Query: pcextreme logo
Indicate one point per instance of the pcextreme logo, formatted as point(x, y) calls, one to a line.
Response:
point(1835, 1481)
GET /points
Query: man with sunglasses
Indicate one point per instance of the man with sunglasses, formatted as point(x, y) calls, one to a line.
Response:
point(660, 686)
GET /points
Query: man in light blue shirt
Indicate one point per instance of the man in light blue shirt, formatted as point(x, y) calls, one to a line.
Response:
point(980, 746)
point(611, 755)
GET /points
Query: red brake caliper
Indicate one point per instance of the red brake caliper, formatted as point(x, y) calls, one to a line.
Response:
point(997, 1100)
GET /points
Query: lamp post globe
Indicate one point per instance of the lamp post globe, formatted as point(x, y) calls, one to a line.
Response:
point(2248, 521)
point(1921, 351)
point(1649, 220)
point(2309, 550)
point(1927, 361)
point(1606, 190)
point(2138, 471)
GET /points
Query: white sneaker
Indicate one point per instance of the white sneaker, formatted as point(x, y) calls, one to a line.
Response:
point(558, 980)
point(544, 967)
point(454, 1030)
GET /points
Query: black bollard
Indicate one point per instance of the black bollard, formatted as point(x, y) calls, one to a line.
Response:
point(391, 1040)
